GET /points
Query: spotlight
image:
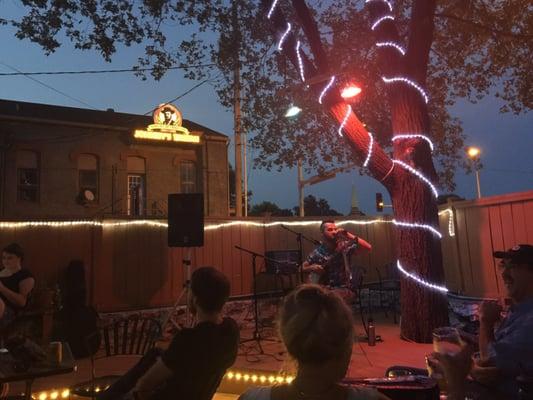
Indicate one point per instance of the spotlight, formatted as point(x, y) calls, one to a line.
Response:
point(350, 91)
point(293, 111)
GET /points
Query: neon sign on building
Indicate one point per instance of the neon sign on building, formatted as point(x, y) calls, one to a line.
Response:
point(167, 127)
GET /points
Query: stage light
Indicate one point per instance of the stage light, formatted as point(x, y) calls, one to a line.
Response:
point(350, 91)
point(293, 111)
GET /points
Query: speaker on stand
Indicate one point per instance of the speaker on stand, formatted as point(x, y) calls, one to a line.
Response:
point(185, 229)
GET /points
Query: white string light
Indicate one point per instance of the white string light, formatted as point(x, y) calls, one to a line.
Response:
point(393, 45)
point(410, 83)
point(418, 174)
point(385, 1)
point(300, 61)
point(282, 39)
point(380, 20)
point(415, 225)
point(272, 8)
point(451, 227)
point(421, 281)
point(413, 136)
point(345, 120)
point(326, 88)
point(159, 224)
point(369, 154)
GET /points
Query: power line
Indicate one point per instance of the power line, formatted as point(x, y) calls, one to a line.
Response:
point(48, 86)
point(100, 71)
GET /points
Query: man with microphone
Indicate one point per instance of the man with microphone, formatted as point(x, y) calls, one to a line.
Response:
point(328, 264)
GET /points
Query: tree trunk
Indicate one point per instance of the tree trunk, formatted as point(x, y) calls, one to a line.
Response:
point(418, 250)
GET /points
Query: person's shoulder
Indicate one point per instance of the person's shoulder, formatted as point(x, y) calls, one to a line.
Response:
point(256, 393)
point(363, 393)
point(23, 273)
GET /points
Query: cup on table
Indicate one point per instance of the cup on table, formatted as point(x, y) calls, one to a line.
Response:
point(56, 352)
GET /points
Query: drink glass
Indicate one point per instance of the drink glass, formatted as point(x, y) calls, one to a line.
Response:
point(446, 340)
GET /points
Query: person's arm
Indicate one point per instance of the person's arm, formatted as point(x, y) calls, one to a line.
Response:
point(151, 380)
point(489, 315)
point(363, 245)
point(316, 268)
point(18, 299)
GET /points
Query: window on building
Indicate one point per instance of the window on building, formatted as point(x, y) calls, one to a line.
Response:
point(28, 176)
point(136, 186)
point(188, 177)
point(88, 177)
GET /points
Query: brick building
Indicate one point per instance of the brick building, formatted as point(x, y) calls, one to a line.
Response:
point(64, 162)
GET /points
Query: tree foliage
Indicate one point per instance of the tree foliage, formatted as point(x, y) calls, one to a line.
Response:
point(314, 207)
point(479, 47)
point(269, 208)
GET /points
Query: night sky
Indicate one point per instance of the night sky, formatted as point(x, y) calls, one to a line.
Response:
point(506, 140)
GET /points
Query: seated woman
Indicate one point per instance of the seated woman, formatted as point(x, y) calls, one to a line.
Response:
point(317, 329)
point(16, 283)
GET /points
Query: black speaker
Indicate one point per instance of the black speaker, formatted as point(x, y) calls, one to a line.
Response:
point(185, 220)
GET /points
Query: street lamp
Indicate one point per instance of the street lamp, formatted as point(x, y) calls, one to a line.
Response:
point(474, 153)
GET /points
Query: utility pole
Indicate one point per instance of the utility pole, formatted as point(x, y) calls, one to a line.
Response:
point(237, 111)
point(301, 188)
point(245, 173)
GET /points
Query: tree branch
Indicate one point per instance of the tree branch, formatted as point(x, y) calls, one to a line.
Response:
point(358, 138)
point(482, 27)
point(420, 38)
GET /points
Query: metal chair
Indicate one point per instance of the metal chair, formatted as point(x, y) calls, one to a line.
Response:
point(129, 336)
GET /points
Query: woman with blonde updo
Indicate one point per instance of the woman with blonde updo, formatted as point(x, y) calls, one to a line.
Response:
point(317, 329)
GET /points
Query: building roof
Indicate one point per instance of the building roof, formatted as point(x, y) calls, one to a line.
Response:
point(60, 114)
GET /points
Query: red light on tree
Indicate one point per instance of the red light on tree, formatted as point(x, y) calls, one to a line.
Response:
point(350, 91)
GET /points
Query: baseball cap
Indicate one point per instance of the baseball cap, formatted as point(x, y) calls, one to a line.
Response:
point(520, 254)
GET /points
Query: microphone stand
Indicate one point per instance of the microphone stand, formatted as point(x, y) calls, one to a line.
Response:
point(256, 336)
point(299, 237)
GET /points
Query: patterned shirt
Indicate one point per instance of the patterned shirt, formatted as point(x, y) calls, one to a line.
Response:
point(512, 348)
point(335, 273)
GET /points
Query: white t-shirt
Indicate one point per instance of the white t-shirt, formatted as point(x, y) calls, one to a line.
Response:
point(263, 393)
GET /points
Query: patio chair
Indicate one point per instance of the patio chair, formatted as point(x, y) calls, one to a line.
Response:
point(388, 288)
point(132, 336)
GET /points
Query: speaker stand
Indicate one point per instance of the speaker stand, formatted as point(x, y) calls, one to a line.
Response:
point(185, 293)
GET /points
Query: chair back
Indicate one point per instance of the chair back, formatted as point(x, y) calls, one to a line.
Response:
point(128, 336)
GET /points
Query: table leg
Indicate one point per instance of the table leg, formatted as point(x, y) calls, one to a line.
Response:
point(27, 391)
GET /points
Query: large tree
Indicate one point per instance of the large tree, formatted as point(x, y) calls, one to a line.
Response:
point(456, 48)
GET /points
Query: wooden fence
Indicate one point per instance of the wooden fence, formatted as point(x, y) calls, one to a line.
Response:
point(481, 227)
point(130, 266)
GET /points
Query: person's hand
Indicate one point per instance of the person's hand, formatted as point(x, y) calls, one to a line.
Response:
point(454, 367)
point(489, 313)
point(488, 376)
point(316, 268)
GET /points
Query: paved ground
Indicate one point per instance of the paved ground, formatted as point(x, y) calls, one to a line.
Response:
point(366, 361)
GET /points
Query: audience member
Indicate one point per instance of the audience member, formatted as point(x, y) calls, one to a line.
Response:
point(506, 346)
point(16, 283)
point(197, 358)
point(317, 329)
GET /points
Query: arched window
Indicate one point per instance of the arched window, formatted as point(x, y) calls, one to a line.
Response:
point(88, 177)
point(188, 176)
point(28, 176)
point(136, 167)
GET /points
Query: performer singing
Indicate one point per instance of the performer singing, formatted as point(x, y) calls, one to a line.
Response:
point(328, 263)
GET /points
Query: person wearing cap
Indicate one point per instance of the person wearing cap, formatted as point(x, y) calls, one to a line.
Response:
point(506, 345)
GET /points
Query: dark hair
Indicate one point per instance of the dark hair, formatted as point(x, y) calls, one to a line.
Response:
point(326, 221)
point(211, 288)
point(14, 248)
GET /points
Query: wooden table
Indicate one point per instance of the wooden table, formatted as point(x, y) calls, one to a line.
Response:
point(37, 370)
